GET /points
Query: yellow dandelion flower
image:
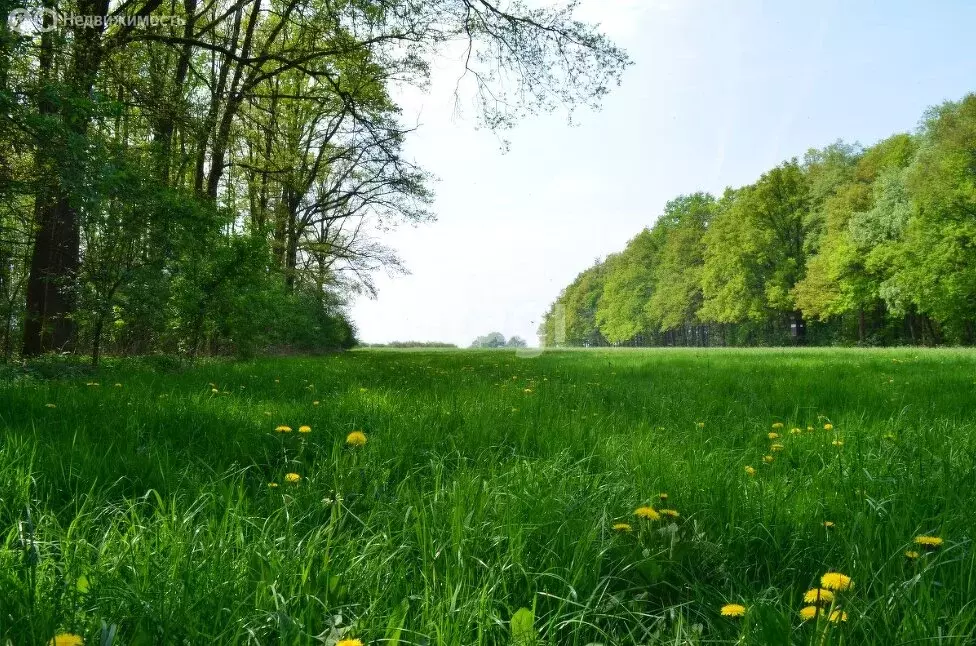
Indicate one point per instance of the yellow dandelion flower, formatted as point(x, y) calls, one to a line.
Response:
point(829, 524)
point(673, 513)
point(662, 496)
point(929, 542)
point(838, 616)
point(809, 428)
point(778, 425)
point(836, 581)
point(349, 642)
point(773, 436)
point(795, 431)
point(528, 390)
point(214, 391)
point(818, 595)
point(93, 383)
point(356, 438)
point(810, 612)
point(911, 555)
point(700, 424)
point(838, 442)
point(315, 403)
point(776, 447)
point(292, 478)
point(733, 610)
point(66, 639)
point(622, 527)
point(118, 385)
point(647, 513)
point(283, 429)
point(828, 427)
point(305, 429)
point(750, 471)
point(272, 485)
point(768, 459)
point(51, 405)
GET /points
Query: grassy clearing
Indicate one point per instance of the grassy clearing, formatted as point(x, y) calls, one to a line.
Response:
point(491, 483)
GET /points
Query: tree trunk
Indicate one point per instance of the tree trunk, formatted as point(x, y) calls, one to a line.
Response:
point(50, 301)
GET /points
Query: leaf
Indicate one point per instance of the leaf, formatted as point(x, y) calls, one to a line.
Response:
point(523, 630)
point(82, 584)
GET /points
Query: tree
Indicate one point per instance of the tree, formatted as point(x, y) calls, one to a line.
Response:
point(490, 340)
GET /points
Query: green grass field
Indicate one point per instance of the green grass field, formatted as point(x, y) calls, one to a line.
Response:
point(491, 483)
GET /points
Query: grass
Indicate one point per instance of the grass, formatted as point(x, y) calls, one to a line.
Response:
point(140, 509)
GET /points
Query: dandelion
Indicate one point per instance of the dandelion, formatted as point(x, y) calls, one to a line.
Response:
point(662, 496)
point(66, 639)
point(214, 391)
point(528, 391)
point(829, 524)
point(622, 527)
point(292, 478)
point(795, 431)
point(911, 555)
point(776, 447)
point(828, 427)
point(810, 612)
point(836, 581)
point(809, 429)
point(929, 542)
point(51, 405)
point(838, 616)
point(673, 513)
point(838, 443)
point(356, 438)
point(305, 429)
point(272, 485)
point(768, 459)
point(773, 436)
point(349, 642)
point(283, 429)
point(778, 425)
point(889, 436)
point(818, 595)
point(700, 424)
point(118, 385)
point(647, 513)
point(750, 471)
point(315, 403)
point(733, 610)
point(93, 383)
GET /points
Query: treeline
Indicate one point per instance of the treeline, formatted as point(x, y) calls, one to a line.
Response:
point(409, 344)
point(201, 176)
point(497, 340)
point(872, 246)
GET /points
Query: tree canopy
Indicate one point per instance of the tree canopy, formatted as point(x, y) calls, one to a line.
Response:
point(868, 245)
point(203, 176)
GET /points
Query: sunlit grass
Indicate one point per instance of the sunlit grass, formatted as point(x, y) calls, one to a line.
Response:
point(483, 483)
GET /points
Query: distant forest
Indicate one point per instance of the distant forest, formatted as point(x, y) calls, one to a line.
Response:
point(851, 245)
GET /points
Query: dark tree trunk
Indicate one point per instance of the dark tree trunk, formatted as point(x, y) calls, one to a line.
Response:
point(50, 301)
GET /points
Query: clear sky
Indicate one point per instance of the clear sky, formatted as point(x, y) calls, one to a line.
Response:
point(719, 92)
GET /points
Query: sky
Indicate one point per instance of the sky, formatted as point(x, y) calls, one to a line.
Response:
point(719, 92)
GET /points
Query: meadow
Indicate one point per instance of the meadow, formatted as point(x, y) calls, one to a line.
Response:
point(575, 498)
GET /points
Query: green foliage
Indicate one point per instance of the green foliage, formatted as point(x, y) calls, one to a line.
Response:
point(853, 245)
